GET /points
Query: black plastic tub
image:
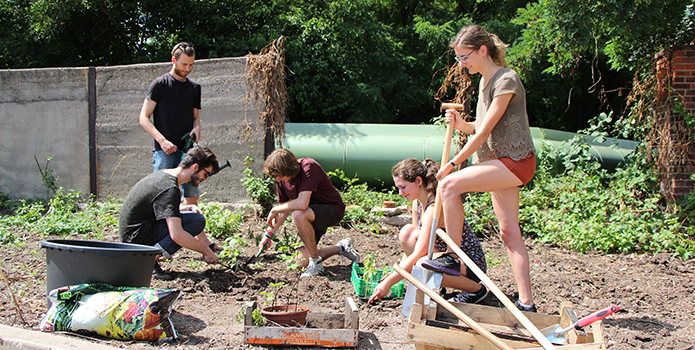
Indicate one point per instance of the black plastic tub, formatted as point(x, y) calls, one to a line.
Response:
point(71, 262)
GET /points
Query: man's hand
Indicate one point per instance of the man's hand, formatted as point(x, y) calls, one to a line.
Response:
point(266, 243)
point(195, 132)
point(168, 147)
point(210, 257)
point(272, 219)
point(191, 207)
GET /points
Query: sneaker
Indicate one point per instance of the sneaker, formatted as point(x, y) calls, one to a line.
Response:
point(159, 274)
point(315, 267)
point(471, 298)
point(348, 251)
point(444, 264)
point(531, 308)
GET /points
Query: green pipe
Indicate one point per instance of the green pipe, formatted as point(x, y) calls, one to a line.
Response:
point(369, 151)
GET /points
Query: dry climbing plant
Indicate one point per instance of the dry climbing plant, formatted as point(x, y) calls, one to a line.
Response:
point(459, 82)
point(265, 83)
point(669, 128)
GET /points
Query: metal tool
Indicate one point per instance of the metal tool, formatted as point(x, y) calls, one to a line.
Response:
point(555, 333)
point(222, 167)
point(252, 258)
point(431, 279)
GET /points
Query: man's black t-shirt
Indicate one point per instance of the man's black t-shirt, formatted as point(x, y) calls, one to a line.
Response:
point(173, 115)
point(155, 197)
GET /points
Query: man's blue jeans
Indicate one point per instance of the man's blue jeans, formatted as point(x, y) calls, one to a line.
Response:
point(193, 223)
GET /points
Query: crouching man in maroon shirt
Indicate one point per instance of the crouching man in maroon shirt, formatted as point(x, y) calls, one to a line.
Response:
point(305, 191)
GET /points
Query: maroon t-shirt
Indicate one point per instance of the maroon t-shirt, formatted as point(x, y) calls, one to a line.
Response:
point(312, 178)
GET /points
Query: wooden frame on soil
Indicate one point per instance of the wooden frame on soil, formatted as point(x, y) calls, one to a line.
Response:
point(433, 327)
point(330, 330)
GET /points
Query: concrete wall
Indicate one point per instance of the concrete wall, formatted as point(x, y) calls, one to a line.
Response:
point(45, 112)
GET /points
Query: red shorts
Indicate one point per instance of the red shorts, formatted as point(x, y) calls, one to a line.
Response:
point(523, 169)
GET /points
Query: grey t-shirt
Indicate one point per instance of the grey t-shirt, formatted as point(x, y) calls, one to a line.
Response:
point(511, 137)
point(155, 197)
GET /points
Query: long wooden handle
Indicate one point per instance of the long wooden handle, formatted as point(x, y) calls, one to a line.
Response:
point(458, 313)
point(545, 343)
point(437, 197)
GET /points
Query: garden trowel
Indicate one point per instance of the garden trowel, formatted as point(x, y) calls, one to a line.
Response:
point(556, 334)
point(254, 257)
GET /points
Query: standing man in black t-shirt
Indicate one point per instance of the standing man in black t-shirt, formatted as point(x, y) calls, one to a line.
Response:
point(305, 191)
point(173, 101)
point(152, 213)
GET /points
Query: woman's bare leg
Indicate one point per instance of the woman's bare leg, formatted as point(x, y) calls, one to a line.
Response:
point(506, 205)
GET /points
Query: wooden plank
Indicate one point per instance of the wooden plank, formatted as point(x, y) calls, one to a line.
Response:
point(325, 320)
point(248, 316)
point(416, 313)
point(276, 336)
point(497, 316)
point(597, 333)
point(455, 339)
point(352, 317)
point(502, 335)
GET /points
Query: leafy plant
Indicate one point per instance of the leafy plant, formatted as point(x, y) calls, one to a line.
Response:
point(219, 221)
point(232, 250)
point(588, 208)
point(259, 188)
point(49, 180)
point(686, 208)
point(7, 203)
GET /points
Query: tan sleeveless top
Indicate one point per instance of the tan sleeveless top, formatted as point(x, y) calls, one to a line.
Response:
point(511, 137)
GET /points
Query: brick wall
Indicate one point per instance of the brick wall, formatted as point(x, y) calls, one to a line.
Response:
point(676, 68)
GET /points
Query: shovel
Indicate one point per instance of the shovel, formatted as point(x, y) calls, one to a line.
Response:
point(555, 333)
point(430, 279)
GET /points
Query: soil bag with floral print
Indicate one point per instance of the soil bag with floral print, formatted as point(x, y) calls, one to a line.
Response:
point(124, 313)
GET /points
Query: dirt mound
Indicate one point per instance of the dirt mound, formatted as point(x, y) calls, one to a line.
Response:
point(655, 293)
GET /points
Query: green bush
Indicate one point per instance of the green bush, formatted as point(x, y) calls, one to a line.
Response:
point(588, 208)
point(221, 222)
point(259, 188)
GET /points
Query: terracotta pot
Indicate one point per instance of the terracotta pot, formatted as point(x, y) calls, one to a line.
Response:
point(286, 315)
point(389, 204)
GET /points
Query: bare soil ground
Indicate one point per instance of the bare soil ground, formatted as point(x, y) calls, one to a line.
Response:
point(656, 292)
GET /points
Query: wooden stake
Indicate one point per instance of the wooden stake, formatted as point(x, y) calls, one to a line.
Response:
point(458, 313)
point(545, 343)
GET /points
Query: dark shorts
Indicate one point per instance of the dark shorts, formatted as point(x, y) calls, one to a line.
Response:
point(325, 216)
point(523, 169)
point(469, 245)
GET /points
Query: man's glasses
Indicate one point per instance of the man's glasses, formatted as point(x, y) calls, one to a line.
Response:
point(464, 58)
point(207, 174)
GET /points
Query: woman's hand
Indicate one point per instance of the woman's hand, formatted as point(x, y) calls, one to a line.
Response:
point(453, 115)
point(444, 171)
point(380, 291)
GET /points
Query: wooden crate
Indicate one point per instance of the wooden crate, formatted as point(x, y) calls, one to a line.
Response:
point(434, 328)
point(330, 330)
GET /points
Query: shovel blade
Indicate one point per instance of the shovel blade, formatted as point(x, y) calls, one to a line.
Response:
point(432, 280)
point(550, 333)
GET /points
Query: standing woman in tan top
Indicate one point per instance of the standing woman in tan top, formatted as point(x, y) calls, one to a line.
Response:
point(502, 149)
